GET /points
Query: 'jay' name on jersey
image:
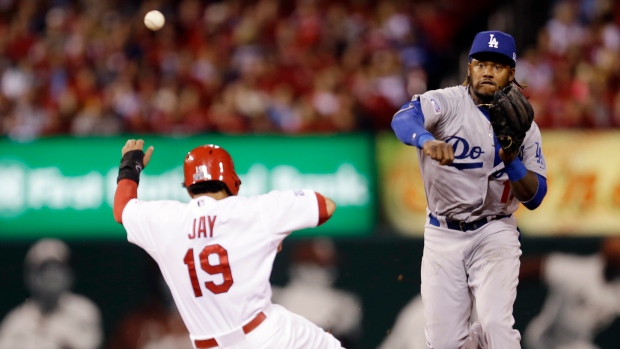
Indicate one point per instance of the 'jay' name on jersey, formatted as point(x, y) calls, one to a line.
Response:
point(200, 227)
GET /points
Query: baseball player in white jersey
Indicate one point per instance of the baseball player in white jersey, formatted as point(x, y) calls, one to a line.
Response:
point(53, 317)
point(217, 251)
point(473, 187)
point(583, 297)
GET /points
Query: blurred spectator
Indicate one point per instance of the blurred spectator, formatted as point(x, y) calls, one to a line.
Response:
point(408, 329)
point(311, 294)
point(156, 324)
point(572, 70)
point(305, 66)
point(53, 317)
point(583, 297)
point(564, 28)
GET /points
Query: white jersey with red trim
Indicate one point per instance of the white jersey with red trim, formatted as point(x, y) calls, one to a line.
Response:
point(217, 255)
point(474, 185)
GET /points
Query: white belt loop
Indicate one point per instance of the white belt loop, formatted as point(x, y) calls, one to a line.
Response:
point(230, 338)
point(442, 222)
point(440, 219)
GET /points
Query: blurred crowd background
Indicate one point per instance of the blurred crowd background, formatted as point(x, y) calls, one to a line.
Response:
point(92, 68)
point(224, 71)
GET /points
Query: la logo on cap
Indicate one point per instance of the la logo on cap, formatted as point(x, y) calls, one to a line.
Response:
point(493, 41)
point(488, 41)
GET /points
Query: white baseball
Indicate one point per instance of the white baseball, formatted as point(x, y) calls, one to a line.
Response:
point(154, 20)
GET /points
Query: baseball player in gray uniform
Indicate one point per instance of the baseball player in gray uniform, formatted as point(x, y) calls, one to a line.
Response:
point(473, 187)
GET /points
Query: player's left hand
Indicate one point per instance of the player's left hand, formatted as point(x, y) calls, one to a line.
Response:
point(507, 157)
point(133, 144)
point(511, 116)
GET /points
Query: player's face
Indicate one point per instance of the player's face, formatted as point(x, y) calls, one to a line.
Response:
point(486, 77)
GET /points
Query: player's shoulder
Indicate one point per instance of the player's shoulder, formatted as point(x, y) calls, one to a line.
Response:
point(20, 316)
point(79, 304)
point(276, 198)
point(19, 312)
point(276, 193)
point(453, 92)
point(347, 298)
point(564, 258)
point(564, 268)
point(153, 211)
point(78, 301)
point(533, 133)
point(446, 99)
point(239, 203)
point(534, 127)
point(159, 204)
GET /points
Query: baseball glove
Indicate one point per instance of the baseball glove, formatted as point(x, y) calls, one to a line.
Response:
point(511, 116)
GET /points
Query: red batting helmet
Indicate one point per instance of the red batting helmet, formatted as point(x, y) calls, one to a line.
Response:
point(210, 163)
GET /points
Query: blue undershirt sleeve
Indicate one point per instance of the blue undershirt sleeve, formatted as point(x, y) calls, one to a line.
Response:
point(408, 125)
point(540, 194)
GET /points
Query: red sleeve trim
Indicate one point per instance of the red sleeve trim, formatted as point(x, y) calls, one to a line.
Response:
point(323, 217)
point(125, 191)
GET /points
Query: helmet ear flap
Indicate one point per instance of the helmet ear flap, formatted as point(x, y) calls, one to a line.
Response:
point(233, 184)
point(237, 184)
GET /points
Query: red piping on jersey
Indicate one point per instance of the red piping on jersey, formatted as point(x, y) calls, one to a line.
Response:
point(322, 209)
point(125, 191)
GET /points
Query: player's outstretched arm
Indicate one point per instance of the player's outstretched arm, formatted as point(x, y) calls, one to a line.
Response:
point(408, 125)
point(133, 161)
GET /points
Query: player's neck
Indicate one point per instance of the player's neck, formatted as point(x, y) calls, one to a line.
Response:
point(222, 194)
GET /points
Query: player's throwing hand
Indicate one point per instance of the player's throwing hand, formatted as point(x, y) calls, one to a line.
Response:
point(440, 151)
point(133, 144)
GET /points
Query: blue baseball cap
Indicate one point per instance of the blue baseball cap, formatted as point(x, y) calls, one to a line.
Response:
point(494, 41)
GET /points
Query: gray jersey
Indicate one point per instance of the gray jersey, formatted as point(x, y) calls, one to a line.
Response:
point(474, 185)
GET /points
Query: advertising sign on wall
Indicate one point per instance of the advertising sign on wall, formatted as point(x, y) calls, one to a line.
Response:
point(583, 174)
point(64, 187)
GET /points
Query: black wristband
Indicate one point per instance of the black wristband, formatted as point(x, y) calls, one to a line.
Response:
point(131, 166)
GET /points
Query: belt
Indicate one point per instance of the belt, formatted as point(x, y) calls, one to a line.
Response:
point(462, 225)
point(249, 327)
